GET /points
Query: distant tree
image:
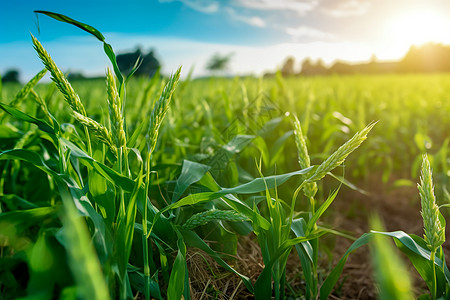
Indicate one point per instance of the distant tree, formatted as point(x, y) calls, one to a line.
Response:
point(430, 57)
point(148, 67)
point(218, 62)
point(320, 67)
point(288, 67)
point(341, 68)
point(11, 76)
point(75, 76)
point(309, 69)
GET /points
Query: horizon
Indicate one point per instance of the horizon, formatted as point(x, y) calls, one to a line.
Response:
point(261, 34)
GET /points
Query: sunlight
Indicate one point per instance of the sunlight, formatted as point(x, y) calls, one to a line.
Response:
point(419, 27)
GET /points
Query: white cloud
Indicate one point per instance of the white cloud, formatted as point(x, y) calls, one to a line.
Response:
point(299, 6)
point(210, 7)
point(348, 8)
point(253, 21)
point(204, 6)
point(305, 31)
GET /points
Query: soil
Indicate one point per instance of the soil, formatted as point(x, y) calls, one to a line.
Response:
point(399, 209)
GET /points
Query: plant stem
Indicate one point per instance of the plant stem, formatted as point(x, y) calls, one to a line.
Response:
point(294, 199)
point(88, 141)
point(315, 247)
point(144, 233)
point(315, 262)
point(433, 287)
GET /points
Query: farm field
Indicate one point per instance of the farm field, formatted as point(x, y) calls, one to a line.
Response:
point(227, 131)
point(330, 187)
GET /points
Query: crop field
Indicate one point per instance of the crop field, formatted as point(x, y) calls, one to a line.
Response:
point(224, 188)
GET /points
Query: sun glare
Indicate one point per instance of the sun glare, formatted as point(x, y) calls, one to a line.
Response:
point(419, 27)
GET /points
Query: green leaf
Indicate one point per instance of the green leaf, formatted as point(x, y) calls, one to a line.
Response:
point(416, 249)
point(163, 261)
point(78, 24)
point(14, 202)
point(254, 186)
point(137, 282)
point(258, 185)
point(83, 260)
point(125, 228)
point(103, 194)
point(333, 277)
point(101, 237)
point(29, 156)
point(277, 149)
point(9, 132)
point(222, 157)
point(112, 58)
point(242, 208)
point(13, 224)
point(320, 211)
point(193, 199)
point(76, 195)
point(176, 281)
point(305, 253)
point(136, 66)
point(106, 47)
point(44, 126)
point(298, 227)
point(131, 142)
point(47, 266)
point(111, 175)
point(190, 173)
point(347, 183)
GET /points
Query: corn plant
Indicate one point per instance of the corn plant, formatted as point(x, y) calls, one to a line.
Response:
point(274, 230)
point(109, 195)
point(426, 254)
point(276, 243)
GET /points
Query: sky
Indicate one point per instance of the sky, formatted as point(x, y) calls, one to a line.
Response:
point(260, 34)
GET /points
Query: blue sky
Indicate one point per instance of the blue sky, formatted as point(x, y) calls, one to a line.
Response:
point(260, 33)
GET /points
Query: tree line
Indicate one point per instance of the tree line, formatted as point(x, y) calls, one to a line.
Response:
point(427, 58)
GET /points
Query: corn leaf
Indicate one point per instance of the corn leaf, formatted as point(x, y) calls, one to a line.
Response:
point(191, 172)
point(16, 222)
point(114, 177)
point(28, 156)
point(106, 47)
point(320, 211)
point(177, 276)
point(78, 24)
point(44, 126)
point(333, 277)
point(83, 259)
